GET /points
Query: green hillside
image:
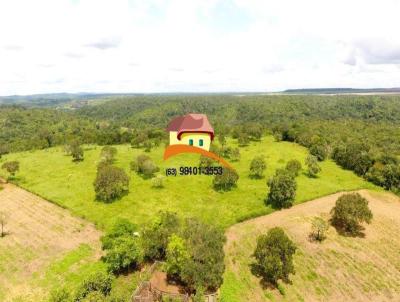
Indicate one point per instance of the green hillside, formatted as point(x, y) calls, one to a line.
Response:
point(52, 174)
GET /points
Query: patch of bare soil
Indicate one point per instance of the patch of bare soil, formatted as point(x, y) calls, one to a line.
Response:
point(38, 232)
point(338, 269)
point(159, 280)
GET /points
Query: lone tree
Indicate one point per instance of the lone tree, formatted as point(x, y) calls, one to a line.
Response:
point(3, 222)
point(11, 167)
point(312, 165)
point(319, 227)
point(274, 256)
point(282, 189)
point(111, 182)
point(76, 151)
point(293, 166)
point(257, 167)
point(108, 154)
point(144, 165)
point(225, 181)
point(349, 212)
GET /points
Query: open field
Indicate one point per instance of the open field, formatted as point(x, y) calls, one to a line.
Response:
point(53, 175)
point(338, 269)
point(45, 246)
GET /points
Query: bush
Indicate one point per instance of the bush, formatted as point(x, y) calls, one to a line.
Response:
point(312, 165)
point(235, 156)
point(257, 167)
point(243, 139)
point(274, 256)
point(206, 161)
point(122, 246)
point(94, 297)
point(156, 236)
point(319, 150)
point(60, 295)
point(157, 182)
point(11, 167)
point(76, 151)
point(293, 166)
point(226, 180)
point(282, 189)
point(176, 256)
point(319, 227)
point(111, 182)
point(144, 165)
point(123, 252)
point(96, 282)
point(108, 154)
point(349, 212)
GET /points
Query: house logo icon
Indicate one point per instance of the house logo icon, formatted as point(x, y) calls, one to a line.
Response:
point(192, 133)
point(192, 130)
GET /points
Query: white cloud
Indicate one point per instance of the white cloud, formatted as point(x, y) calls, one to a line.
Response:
point(199, 45)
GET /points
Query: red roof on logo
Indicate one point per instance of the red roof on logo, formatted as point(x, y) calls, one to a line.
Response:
point(192, 122)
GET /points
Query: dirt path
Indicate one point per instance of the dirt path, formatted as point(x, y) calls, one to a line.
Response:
point(339, 269)
point(39, 232)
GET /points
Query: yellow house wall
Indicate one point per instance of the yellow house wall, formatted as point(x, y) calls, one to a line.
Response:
point(173, 140)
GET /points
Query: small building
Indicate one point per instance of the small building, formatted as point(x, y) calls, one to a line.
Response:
point(191, 129)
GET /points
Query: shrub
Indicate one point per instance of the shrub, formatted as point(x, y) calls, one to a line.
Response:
point(156, 235)
point(349, 212)
point(226, 180)
point(319, 150)
point(312, 165)
point(157, 182)
point(122, 253)
point(257, 167)
point(282, 189)
point(176, 256)
point(319, 227)
point(96, 282)
point(274, 256)
point(293, 166)
point(11, 167)
point(206, 161)
point(108, 154)
point(94, 297)
point(76, 151)
point(144, 165)
point(111, 182)
point(235, 156)
point(60, 295)
point(243, 139)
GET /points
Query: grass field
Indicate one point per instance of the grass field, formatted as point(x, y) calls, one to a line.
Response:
point(54, 176)
point(338, 269)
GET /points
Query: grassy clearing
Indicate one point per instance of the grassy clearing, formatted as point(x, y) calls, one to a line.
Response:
point(339, 269)
point(53, 175)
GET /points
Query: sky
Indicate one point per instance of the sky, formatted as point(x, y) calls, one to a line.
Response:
point(49, 46)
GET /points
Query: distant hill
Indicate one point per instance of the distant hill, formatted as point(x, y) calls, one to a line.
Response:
point(55, 99)
point(341, 90)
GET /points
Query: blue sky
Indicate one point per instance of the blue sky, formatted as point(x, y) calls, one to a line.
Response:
point(199, 46)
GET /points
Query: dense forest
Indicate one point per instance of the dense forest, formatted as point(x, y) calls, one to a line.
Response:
point(360, 133)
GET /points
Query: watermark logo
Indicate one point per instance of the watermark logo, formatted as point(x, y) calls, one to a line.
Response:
point(192, 133)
